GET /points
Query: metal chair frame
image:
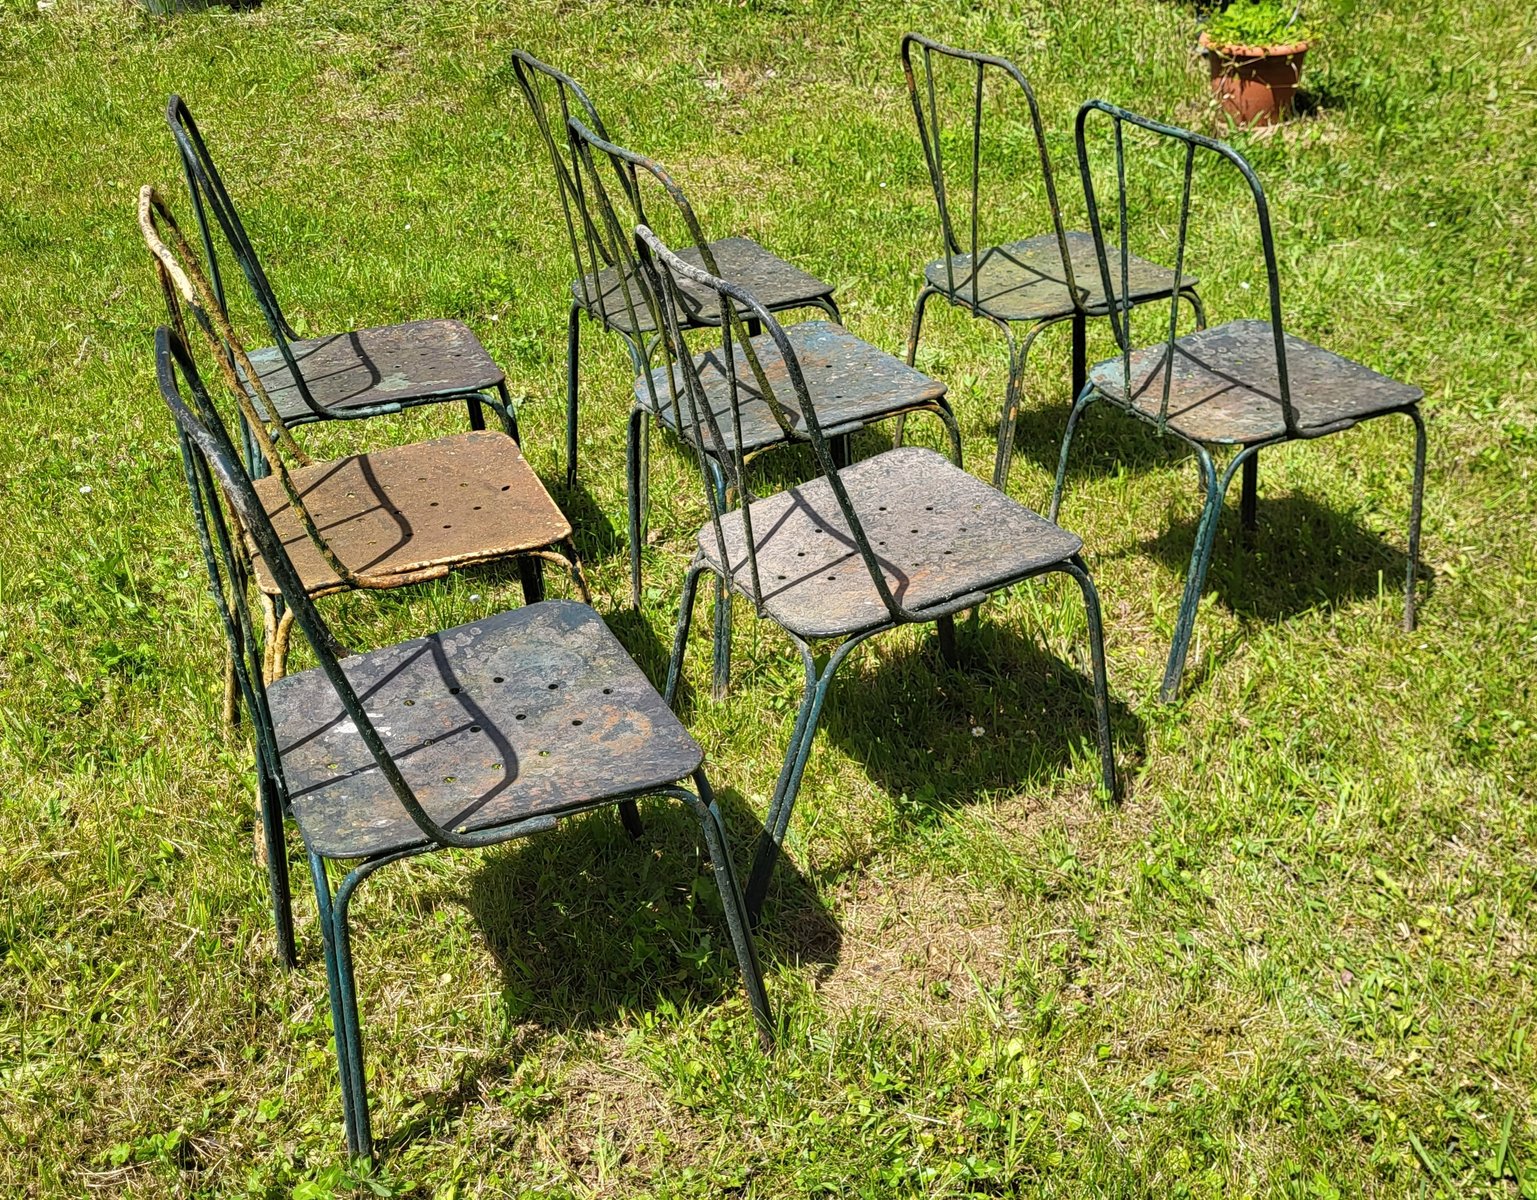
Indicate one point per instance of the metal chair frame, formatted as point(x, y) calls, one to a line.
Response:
point(629, 169)
point(1214, 484)
point(926, 111)
point(208, 455)
point(663, 268)
point(591, 252)
point(209, 194)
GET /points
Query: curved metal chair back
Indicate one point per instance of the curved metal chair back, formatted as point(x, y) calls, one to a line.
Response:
point(1117, 288)
point(926, 110)
point(210, 195)
point(738, 307)
point(208, 455)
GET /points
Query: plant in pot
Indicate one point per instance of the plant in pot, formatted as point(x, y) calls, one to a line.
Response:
point(1255, 49)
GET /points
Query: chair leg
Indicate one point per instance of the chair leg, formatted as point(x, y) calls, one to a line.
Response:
point(947, 651)
point(573, 348)
point(477, 413)
point(1086, 397)
point(1416, 508)
point(720, 684)
point(830, 306)
point(634, 469)
point(788, 787)
point(913, 332)
point(1080, 353)
point(1190, 297)
point(281, 637)
point(1248, 499)
point(1008, 418)
point(275, 850)
point(680, 635)
point(738, 922)
point(1200, 559)
point(334, 988)
point(1078, 570)
point(506, 413)
point(531, 576)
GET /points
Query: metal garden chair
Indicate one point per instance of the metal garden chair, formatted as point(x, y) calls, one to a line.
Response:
point(465, 738)
point(345, 376)
point(1035, 283)
point(854, 384)
point(1244, 384)
point(403, 515)
point(601, 283)
point(901, 538)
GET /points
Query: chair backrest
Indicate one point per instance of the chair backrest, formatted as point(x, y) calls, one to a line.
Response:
point(1116, 283)
point(208, 456)
point(663, 270)
point(553, 99)
point(210, 195)
point(926, 110)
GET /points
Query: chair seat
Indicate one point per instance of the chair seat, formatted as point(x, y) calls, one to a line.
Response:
point(536, 712)
point(423, 509)
point(1226, 389)
point(940, 534)
point(407, 364)
point(776, 283)
point(1023, 281)
point(851, 384)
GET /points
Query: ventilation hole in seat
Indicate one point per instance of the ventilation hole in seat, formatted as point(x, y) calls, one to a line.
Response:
point(477, 508)
point(449, 778)
point(553, 686)
point(608, 691)
point(577, 721)
point(780, 577)
point(474, 728)
point(434, 504)
point(453, 691)
point(912, 531)
point(332, 767)
point(883, 508)
point(448, 527)
point(506, 487)
point(947, 552)
point(496, 679)
point(520, 716)
point(928, 508)
point(830, 578)
point(544, 754)
point(408, 703)
point(963, 529)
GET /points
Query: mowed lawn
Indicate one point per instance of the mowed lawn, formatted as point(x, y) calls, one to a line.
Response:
point(1296, 959)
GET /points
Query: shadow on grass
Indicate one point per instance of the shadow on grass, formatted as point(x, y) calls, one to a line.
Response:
point(596, 538)
point(1304, 555)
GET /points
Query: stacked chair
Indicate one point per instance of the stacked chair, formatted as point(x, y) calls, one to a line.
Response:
point(500, 728)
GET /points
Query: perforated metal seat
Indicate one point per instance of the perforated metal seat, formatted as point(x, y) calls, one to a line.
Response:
point(943, 538)
point(742, 260)
point(851, 382)
point(537, 712)
point(370, 368)
point(420, 510)
point(1023, 281)
point(1226, 387)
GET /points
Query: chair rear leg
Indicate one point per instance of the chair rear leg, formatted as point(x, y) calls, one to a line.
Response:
point(334, 990)
point(1080, 353)
point(915, 329)
point(506, 413)
point(634, 469)
point(477, 413)
point(1079, 571)
point(680, 634)
point(531, 576)
point(1200, 559)
point(1416, 509)
point(945, 626)
point(275, 851)
point(1248, 499)
point(1085, 398)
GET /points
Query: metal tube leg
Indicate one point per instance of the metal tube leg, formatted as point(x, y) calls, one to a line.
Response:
point(573, 347)
point(1416, 508)
point(1195, 579)
point(1085, 398)
point(947, 650)
point(1008, 416)
point(1080, 353)
point(634, 468)
point(737, 920)
point(1076, 568)
point(721, 682)
point(333, 987)
point(477, 413)
point(507, 414)
point(913, 332)
point(680, 635)
point(1191, 298)
point(1248, 498)
point(364, 1147)
point(271, 815)
point(531, 576)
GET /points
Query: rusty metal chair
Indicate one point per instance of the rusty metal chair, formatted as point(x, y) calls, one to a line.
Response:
point(599, 290)
point(465, 738)
point(1243, 385)
point(853, 384)
point(1036, 283)
point(345, 376)
point(903, 537)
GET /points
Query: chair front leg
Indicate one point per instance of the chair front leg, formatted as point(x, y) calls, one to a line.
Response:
point(477, 413)
point(680, 635)
point(339, 1039)
point(275, 851)
point(635, 468)
point(1008, 416)
point(1086, 397)
point(1248, 498)
point(1416, 508)
point(913, 332)
point(573, 354)
point(505, 412)
point(787, 789)
point(1078, 570)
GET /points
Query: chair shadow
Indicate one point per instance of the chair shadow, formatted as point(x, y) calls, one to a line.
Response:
point(587, 926)
point(596, 537)
point(1303, 555)
point(1011, 714)
point(1106, 439)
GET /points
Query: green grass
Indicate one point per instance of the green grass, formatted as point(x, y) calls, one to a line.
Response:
point(1297, 960)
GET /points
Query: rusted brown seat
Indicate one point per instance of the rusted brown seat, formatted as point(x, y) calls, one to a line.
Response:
point(412, 513)
point(1226, 388)
point(1023, 281)
point(943, 539)
point(852, 383)
point(373, 368)
point(740, 259)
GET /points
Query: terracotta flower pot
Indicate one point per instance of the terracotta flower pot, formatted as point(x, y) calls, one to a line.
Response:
point(1256, 84)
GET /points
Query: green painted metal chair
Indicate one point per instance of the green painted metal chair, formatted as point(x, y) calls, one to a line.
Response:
point(466, 738)
point(1033, 284)
point(1239, 386)
point(904, 537)
point(351, 376)
point(599, 291)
